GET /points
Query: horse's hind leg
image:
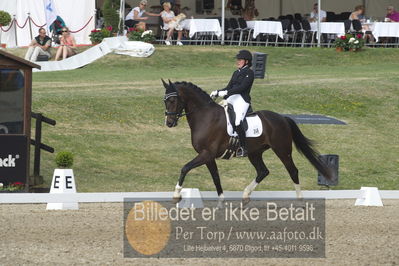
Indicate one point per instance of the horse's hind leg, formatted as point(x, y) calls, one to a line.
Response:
point(261, 170)
point(213, 169)
point(286, 158)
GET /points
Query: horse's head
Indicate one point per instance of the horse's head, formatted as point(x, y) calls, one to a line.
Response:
point(173, 103)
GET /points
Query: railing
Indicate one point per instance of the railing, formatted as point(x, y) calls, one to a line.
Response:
point(37, 142)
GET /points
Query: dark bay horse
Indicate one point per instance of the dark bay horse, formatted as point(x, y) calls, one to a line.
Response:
point(210, 140)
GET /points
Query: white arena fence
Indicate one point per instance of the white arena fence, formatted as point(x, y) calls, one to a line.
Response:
point(24, 198)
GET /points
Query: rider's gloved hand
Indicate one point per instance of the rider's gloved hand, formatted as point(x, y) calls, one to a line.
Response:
point(214, 94)
point(223, 93)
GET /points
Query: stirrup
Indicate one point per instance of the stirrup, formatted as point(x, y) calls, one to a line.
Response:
point(241, 152)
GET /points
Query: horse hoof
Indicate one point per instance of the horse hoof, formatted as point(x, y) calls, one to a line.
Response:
point(176, 200)
point(245, 201)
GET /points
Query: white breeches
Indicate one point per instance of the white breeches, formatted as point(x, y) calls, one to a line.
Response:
point(240, 107)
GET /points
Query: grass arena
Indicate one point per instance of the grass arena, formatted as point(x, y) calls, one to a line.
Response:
point(110, 114)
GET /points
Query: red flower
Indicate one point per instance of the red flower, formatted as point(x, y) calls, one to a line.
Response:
point(131, 29)
point(18, 184)
point(343, 37)
point(109, 28)
point(359, 36)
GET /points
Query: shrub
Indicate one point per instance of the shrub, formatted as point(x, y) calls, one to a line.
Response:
point(5, 18)
point(111, 17)
point(64, 159)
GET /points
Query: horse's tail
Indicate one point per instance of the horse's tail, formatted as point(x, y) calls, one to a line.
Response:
point(306, 147)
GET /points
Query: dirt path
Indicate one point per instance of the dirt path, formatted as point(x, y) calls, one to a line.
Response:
point(31, 235)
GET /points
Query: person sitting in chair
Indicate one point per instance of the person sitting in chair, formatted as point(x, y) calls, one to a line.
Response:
point(314, 15)
point(237, 94)
point(40, 45)
point(392, 15)
point(171, 23)
point(135, 17)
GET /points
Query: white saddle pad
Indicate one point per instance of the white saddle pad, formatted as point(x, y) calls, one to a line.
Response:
point(254, 130)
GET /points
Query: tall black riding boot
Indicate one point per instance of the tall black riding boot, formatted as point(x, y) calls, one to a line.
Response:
point(242, 151)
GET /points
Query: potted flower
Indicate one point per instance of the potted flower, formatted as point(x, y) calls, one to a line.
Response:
point(355, 43)
point(136, 34)
point(351, 42)
point(97, 35)
point(5, 20)
point(12, 187)
point(340, 43)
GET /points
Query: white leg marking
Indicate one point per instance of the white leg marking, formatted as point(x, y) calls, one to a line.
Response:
point(248, 190)
point(220, 201)
point(298, 191)
point(178, 189)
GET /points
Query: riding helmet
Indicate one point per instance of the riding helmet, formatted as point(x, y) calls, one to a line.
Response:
point(246, 55)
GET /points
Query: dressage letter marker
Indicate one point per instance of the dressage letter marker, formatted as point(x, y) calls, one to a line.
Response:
point(63, 182)
point(370, 196)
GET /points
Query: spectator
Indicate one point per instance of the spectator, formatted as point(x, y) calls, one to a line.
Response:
point(135, 17)
point(67, 46)
point(40, 45)
point(171, 23)
point(392, 15)
point(358, 14)
point(314, 15)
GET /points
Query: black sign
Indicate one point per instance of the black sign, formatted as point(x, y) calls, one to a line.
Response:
point(13, 159)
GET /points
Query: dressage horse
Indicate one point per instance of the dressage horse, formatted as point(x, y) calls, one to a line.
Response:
point(207, 121)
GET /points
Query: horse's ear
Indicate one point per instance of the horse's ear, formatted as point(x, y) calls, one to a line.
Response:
point(165, 84)
point(172, 86)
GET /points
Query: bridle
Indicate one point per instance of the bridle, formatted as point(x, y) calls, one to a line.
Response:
point(183, 104)
point(180, 101)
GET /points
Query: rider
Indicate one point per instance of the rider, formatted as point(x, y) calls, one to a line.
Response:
point(237, 94)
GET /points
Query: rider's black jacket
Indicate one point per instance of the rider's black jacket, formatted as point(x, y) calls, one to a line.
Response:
point(241, 83)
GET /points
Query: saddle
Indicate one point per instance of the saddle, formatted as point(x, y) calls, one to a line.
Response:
point(252, 126)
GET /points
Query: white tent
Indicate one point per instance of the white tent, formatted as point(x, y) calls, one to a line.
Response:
point(274, 8)
point(79, 16)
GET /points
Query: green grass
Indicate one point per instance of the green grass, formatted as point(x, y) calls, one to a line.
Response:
point(110, 115)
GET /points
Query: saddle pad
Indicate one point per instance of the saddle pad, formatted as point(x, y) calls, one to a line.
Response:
point(254, 130)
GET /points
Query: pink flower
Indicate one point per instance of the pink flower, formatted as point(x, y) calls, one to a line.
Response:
point(359, 36)
point(109, 28)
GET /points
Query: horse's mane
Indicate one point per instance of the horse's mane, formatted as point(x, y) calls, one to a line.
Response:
point(190, 86)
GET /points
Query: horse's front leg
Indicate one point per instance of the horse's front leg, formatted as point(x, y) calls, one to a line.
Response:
point(202, 158)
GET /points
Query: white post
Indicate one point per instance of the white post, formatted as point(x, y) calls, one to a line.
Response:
point(318, 23)
point(121, 24)
point(223, 15)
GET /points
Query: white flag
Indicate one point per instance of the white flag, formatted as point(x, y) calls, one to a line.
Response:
point(51, 14)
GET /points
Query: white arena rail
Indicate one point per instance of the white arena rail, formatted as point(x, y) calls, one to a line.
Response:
point(11, 198)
